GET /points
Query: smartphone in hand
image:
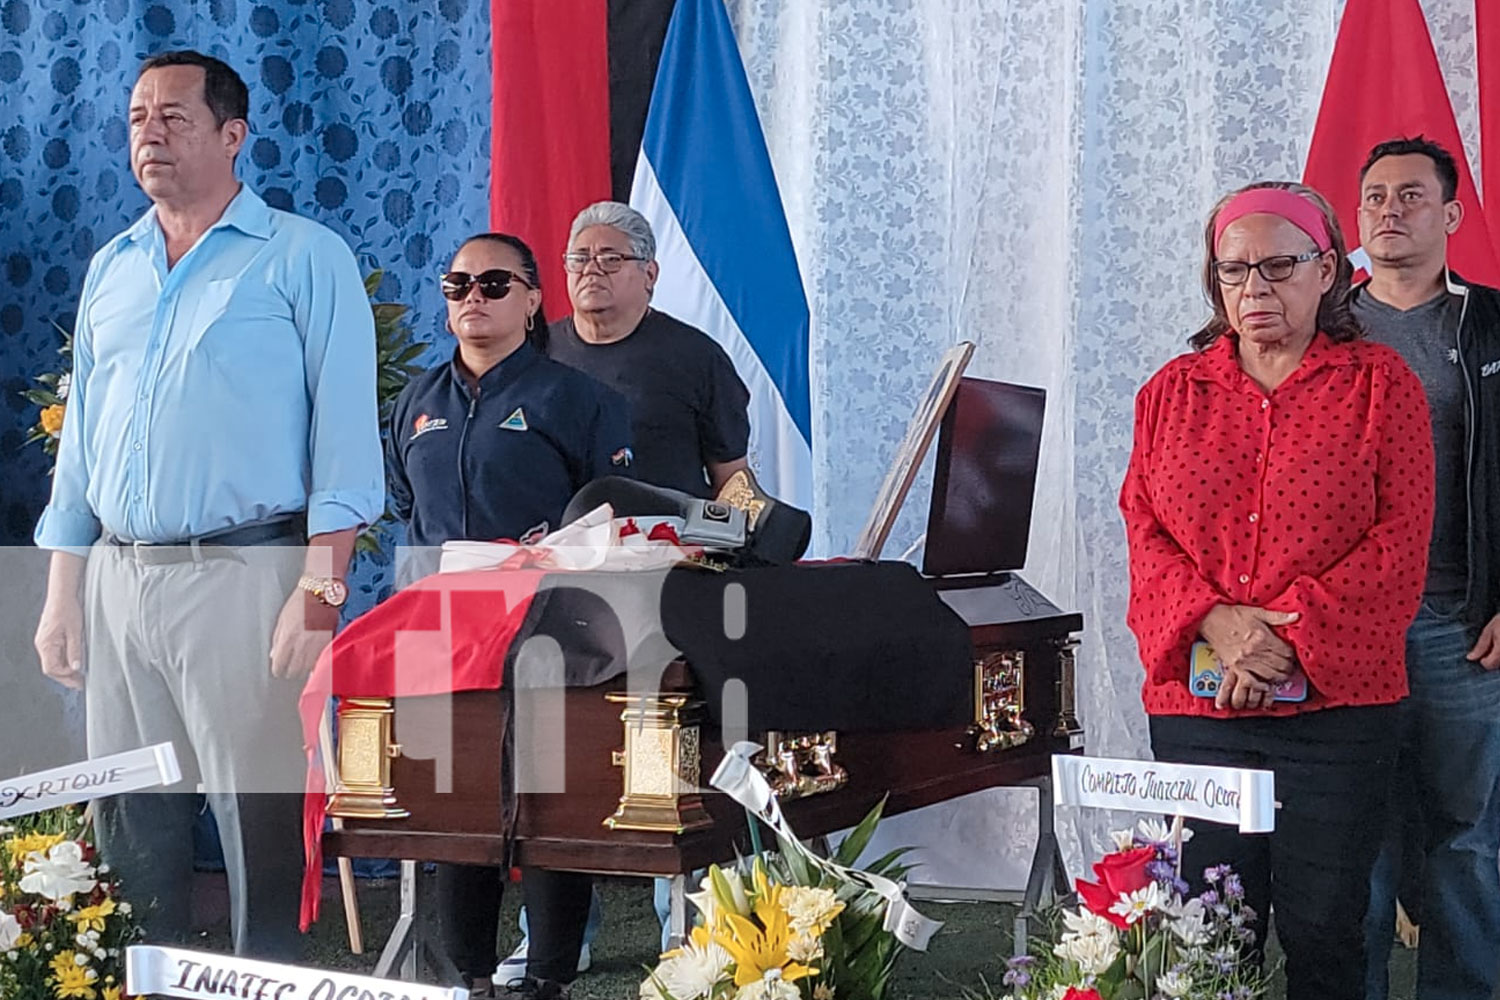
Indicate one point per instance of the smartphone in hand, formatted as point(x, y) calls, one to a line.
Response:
point(1206, 673)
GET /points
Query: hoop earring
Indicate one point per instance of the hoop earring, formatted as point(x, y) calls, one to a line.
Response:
point(530, 322)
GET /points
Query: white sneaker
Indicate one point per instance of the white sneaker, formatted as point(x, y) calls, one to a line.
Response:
point(512, 968)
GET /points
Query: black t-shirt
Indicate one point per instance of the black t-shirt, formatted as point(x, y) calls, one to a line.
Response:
point(688, 406)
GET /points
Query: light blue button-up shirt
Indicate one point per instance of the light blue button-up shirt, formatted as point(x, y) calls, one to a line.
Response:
point(235, 387)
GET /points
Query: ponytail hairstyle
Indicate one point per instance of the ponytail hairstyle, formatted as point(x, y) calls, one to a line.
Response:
point(536, 333)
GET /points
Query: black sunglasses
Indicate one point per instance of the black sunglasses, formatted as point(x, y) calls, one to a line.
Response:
point(493, 284)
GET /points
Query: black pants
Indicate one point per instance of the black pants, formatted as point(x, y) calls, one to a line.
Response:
point(557, 908)
point(1332, 770)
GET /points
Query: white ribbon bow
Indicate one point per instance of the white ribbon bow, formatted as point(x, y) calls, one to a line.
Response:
point(742, 781)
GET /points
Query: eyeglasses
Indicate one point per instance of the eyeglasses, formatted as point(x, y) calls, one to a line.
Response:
point(1278, 268)
point(493, 284)
point(609, 261)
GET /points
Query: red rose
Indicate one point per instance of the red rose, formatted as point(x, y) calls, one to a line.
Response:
point(1119, 874)
point(1074, 993)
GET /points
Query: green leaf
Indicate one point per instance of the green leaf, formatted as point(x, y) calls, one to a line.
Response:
point(886, 863)
point(854, 844)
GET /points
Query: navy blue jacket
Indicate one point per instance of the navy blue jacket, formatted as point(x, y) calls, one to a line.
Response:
point(503, 461)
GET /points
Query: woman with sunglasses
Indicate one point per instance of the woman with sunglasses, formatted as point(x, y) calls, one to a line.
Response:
point(492, 445)
point(1278, 504)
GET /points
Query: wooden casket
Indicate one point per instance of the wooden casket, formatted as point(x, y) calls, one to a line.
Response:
point(616, 781)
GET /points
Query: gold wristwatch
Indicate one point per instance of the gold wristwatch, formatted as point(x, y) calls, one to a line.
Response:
point(329, 589)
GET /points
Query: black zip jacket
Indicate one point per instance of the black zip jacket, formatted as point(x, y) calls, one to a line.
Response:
point(1479, 361)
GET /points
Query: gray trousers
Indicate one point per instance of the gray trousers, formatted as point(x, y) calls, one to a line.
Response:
point(180, 652)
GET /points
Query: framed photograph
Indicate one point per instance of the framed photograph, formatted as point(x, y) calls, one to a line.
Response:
point(919, 435)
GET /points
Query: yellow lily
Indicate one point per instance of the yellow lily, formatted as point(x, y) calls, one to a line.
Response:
point(758, 948)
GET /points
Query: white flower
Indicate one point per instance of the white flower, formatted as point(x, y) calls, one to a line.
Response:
point(703, 899)
point(1159, 832)
point(771, 987)
point(809, 911)
point(708, 900)
point(124, 908)
point(10, 931)
point(60, 874)
point(1087, 923)
point(1190, 923)
point(1124, 839)
point(804, 948)
point(1133, 906)
point(1092, 953)
point(1174, 984)
point(64, 383)
point(688, 973)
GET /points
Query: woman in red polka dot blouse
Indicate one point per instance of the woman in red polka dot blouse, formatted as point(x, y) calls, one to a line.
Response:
point(1278, 505)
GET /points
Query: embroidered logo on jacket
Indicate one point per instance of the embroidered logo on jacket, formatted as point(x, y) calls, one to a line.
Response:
point(1493, 368)
point(424, 424)
point(515, 422)
point(622, 458)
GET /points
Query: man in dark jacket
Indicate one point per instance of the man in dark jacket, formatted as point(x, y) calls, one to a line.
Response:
point(1448, 784)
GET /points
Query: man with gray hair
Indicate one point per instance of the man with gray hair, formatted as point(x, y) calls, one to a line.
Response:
point(689, 415)
point(688, 405)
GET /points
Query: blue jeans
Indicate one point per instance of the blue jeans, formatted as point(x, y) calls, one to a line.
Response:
point(1448, 781)
point(661, 900)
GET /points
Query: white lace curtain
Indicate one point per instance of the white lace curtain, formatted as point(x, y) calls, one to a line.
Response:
point(1032, 177)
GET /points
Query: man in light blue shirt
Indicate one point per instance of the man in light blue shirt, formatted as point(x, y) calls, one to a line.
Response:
point(219, 454)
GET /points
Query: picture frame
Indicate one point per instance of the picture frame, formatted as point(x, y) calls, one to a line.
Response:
point(919, 434)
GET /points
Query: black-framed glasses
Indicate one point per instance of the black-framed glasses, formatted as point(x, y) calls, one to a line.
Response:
point(493, 284)
point(1277, 268)
point(609, 261)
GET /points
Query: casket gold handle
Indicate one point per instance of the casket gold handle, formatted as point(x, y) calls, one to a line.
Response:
point(661, 762)
point(362, 786)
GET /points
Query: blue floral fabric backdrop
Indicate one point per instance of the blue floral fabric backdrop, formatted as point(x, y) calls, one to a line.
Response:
point(370, 117)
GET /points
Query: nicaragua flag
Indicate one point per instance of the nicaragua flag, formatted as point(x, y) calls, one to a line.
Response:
point(704, 181)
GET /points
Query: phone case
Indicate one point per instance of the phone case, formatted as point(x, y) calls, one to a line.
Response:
point(1205, 674)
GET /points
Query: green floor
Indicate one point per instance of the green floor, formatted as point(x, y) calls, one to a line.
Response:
point(970, 947)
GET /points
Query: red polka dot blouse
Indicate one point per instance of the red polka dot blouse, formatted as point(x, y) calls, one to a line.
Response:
point(1314, 498)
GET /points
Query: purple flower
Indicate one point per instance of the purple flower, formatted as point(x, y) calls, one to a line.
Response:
point(1209, 898)
point(1248, 912)
point(1232, 887)
point(1214, 874)
point(1016, 974)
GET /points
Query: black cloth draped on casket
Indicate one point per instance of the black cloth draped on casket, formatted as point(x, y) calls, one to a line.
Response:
point(842, 645)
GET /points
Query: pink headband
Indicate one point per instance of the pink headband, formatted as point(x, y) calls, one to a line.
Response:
point(1279, 202)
